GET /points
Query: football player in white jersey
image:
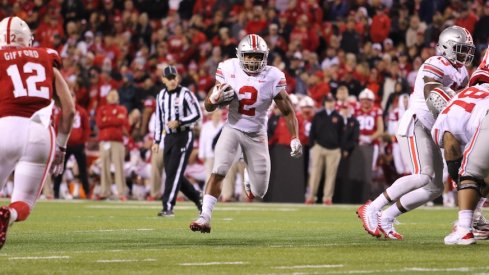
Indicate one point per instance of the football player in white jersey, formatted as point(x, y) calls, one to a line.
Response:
point(249, 86)
point(464, 123)
point(443, 75)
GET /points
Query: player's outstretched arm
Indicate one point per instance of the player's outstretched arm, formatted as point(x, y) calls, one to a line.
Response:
point(287, 109)
point(66, 123)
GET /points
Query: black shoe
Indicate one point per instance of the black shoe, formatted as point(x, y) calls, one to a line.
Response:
point(167, 213)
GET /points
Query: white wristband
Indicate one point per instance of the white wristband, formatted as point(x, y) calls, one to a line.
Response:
point(62, 139)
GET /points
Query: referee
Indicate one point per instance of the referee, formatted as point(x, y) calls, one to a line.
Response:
point(177, 110)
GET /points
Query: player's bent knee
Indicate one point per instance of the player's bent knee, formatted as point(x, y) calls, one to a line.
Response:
point(421, 180)
point(435, 191)
point(23, 210)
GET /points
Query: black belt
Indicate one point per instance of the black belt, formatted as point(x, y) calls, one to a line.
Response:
point(179, 130)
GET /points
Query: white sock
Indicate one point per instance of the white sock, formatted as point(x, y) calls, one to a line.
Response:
point(208, 203)
point(465, 218)
point(13, 216)
point(391, 213)
point(379, 202)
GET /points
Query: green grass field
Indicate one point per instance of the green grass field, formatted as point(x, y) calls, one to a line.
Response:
point(81, 237)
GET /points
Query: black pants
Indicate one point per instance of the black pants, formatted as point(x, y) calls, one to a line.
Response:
point(81, 159)
point(176, 153)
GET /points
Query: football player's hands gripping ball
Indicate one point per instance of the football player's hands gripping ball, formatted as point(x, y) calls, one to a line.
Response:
point(221, 94)
point(57, 166)
point(296, 148)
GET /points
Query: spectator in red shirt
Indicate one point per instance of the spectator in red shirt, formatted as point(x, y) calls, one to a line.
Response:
point(318, 88)
point(102, 88)
point(279, 133)
point(76, 147)
point(467, 18)
point(112, 122)
point(258, 22)
point(47, 30)
point(381, 25)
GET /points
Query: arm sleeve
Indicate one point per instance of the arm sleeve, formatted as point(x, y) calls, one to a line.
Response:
point(158, 119)
point(195, 113)
point(280, 84)
point(220, 73)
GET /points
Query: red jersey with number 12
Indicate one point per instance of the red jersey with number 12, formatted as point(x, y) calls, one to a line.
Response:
point(26, 80)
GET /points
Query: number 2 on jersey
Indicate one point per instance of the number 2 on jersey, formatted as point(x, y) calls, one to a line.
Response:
point(244, 103)
point(31, 81)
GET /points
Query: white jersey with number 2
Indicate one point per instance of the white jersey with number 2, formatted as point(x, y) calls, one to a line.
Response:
point(255, 93)
point(462, 115)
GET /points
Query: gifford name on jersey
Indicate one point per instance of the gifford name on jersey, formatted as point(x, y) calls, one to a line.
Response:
point(20, 53)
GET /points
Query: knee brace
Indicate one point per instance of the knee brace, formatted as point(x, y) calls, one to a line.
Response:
point(476, 183)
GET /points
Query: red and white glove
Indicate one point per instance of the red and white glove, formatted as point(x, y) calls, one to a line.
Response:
point(57, 166)
point(221, 93)
point(296, 148)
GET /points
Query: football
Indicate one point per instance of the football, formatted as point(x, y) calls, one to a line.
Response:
point(227, 89)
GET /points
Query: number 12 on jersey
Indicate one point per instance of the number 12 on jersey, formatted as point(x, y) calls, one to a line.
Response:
point(31, 81)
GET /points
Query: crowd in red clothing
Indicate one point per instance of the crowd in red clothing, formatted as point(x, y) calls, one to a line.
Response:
point(320, 45)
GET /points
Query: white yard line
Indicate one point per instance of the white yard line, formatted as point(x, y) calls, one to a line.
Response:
point(225, 208)
point(212, 263)
point(312, 245)
point(124, 261)
point(410, 270)
point(309, 266)
point(39, 258)
point(113, 230)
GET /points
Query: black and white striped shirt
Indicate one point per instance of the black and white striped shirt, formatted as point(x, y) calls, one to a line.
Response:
point(179, 104)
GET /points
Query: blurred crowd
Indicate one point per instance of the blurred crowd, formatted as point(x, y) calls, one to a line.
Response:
point(329, 48)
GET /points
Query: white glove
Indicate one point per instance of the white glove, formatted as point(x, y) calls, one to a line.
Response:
point(296, 148)
point(221, 93)
point(57, 166)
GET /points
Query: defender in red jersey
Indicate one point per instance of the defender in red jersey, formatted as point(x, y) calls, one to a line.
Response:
point(30, 82)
